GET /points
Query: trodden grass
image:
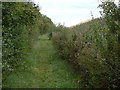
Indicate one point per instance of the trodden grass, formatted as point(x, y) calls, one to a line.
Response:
point(47, 69)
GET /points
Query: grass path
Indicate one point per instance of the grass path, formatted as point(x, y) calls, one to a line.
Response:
point(47, 69)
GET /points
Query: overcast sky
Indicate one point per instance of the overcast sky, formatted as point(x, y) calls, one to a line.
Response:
point(69, 12)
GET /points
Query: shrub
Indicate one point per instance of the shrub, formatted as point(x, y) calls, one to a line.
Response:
point(22, 23)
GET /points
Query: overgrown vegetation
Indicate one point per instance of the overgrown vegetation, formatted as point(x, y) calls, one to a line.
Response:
point(47, 69)
point(92, 48)
point(22, 23)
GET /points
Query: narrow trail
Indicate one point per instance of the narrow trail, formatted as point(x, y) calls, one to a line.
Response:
point(48, 70)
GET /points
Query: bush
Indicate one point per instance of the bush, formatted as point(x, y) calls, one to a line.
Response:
point(89, 52)
point(22, 23)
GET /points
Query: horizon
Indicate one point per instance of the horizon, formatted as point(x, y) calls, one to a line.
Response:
point(69, 12)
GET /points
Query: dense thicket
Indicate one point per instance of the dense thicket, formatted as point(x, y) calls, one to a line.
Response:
point(92, 48)
point(22, 23)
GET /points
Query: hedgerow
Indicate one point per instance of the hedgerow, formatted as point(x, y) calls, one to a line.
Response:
point(22, 23)
point(92, 48)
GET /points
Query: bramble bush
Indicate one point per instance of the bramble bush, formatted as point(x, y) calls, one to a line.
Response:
point(92, 48)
